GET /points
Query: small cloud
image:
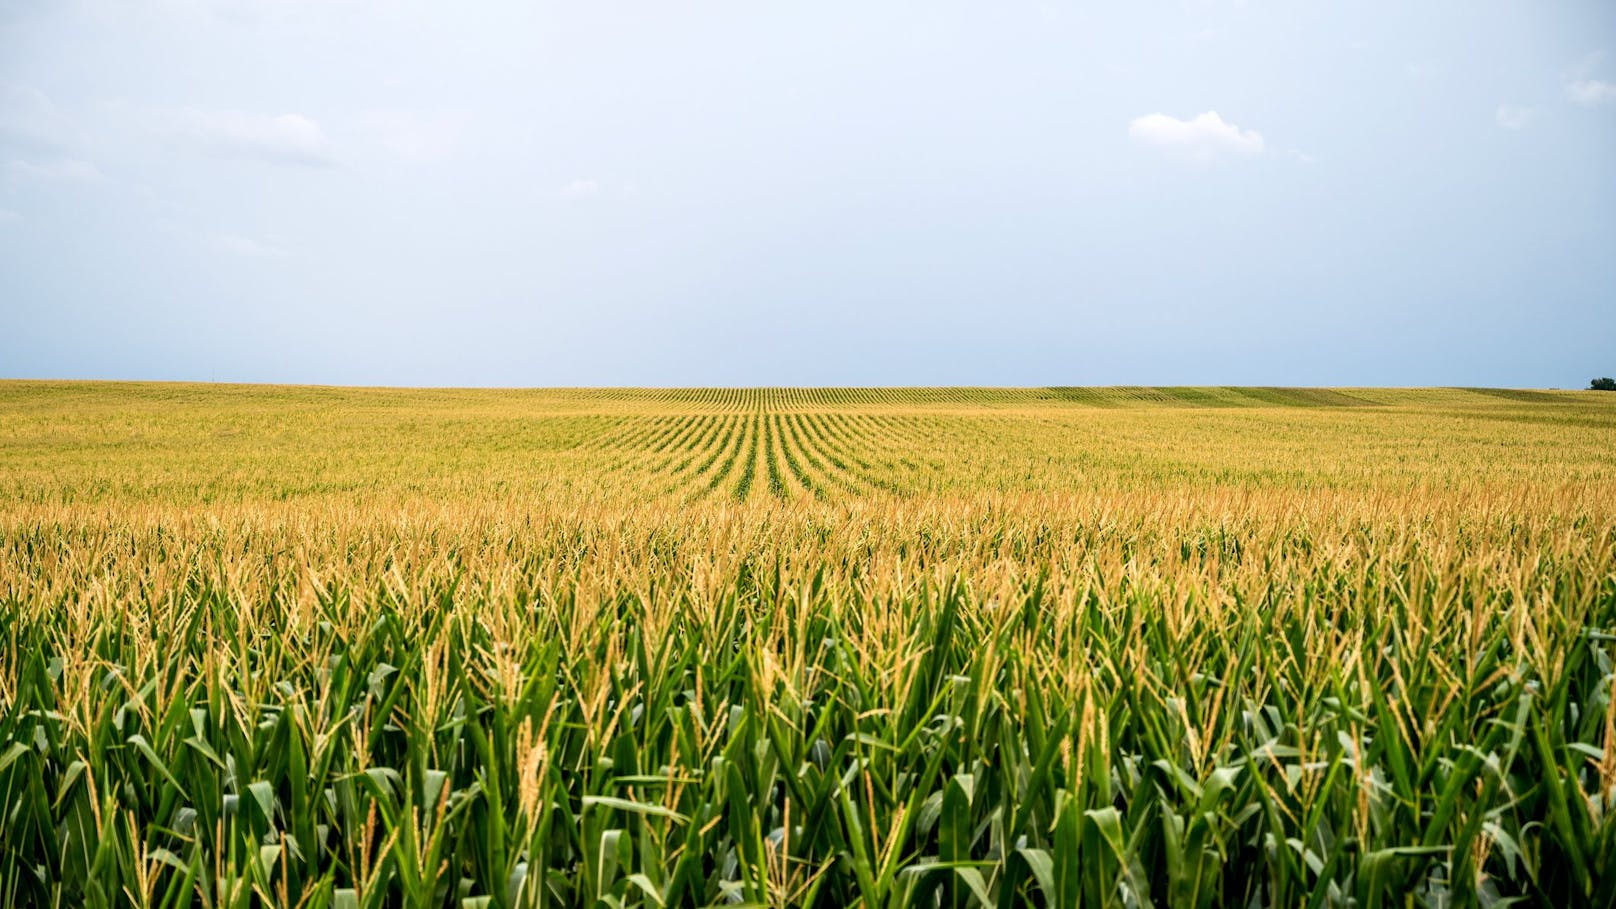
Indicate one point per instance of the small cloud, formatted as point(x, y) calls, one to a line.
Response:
point(580, 189)
point(1510, 116)
point(7, 215)
point(1583, 88)
point(58, 170)
point(232, 244)
point(1200, 139)
point(281, 139)
point(1591, 92)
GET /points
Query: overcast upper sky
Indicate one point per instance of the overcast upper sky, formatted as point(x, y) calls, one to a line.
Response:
point(1204, 192)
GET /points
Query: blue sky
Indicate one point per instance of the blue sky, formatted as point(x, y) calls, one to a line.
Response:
point(1207, 192)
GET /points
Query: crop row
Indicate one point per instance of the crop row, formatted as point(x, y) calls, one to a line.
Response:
point(783, 455)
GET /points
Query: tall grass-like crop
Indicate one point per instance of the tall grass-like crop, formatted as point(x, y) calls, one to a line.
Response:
point(783, 647)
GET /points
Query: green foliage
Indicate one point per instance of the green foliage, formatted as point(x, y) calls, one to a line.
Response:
point(752, 748)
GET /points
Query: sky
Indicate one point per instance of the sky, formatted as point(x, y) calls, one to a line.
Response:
point(825, 193)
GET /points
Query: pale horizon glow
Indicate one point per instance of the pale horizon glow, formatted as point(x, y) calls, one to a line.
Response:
point(1204, 192)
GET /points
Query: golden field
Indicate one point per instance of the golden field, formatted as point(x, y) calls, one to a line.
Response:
point(268, 645)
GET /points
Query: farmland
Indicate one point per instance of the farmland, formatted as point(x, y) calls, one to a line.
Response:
point(1188, 647)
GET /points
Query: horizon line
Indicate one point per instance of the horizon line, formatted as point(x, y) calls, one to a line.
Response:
point(625, 387)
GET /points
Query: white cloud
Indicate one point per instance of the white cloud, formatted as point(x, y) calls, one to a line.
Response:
point(1583, 88)
point(1201, 139)
point(1510, 116)
point(580, 188)
point(1591, 92)
point(415, 137)
point(282, 139)
point(235, 245)
point(57, 170)
point(7, 214)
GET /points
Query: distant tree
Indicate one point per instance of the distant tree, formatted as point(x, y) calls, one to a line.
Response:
point(1603, 384)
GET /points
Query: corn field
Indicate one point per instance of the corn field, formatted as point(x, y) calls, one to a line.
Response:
point(276, 646)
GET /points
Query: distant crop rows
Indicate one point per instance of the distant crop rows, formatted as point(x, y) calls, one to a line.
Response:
point(780, 455)
point(740, 400)
point(810, 400)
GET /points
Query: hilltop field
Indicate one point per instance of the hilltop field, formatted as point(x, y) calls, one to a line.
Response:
point(1100, 647)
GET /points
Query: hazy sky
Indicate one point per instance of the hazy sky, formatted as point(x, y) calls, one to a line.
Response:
point(809, 193)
